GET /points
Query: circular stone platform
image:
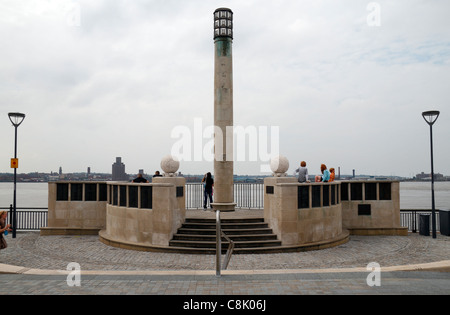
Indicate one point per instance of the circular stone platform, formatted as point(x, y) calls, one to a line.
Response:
point(203, 231)
point(32, 251)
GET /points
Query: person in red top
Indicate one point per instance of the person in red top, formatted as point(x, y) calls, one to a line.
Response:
point(332, 174)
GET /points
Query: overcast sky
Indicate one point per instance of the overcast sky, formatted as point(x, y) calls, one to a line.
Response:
point(344, 81)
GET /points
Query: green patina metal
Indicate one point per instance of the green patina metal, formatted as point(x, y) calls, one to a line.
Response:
point(223, 46)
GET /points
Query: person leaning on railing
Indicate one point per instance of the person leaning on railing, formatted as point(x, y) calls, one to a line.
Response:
point(3, 228)
point(208, 190)
point(140, 179)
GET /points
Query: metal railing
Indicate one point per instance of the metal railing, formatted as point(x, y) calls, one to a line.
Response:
point(410, 218)
point(219, 235)
point(32, 219)
point(194, 196)
point(28, 219)
point(246, 196)
point(249, 195)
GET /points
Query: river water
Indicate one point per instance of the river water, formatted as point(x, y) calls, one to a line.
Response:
point(413, 195)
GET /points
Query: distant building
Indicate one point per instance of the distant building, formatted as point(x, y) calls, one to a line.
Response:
point(424, 176)
point(118, 170)
point(61, 175)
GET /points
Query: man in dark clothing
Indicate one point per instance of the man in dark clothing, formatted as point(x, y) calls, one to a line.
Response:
point(140, 179)
point(209, 183)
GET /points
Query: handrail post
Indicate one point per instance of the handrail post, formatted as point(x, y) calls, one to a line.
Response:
point(10, 214)
point(227, 258)
point(218, 243)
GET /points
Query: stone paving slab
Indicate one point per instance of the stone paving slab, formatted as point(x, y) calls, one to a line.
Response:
point(255, 285)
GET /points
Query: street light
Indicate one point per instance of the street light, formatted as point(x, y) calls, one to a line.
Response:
point(16, 119)
point(431, 117)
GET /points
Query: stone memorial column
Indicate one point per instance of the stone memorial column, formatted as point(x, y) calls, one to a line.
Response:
point(223, 111)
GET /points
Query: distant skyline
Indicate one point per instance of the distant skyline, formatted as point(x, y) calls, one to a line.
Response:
point(437, 174)
point(345, 82)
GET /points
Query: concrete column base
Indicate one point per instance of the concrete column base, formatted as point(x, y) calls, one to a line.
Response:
point(224, 207)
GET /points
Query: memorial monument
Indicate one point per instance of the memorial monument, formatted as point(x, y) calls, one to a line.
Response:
point(152, 216)
point(223, 111)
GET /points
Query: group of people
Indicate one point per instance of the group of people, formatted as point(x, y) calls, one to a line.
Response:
point(327, 175)
point(141, 179)
point(208, 181)
point(208, 184)
point(303, 177)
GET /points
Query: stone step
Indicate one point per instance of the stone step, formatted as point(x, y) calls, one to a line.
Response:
point(234, 238)
point(227, 231)
point(237, 251)
point(234, 221)
point(250, 235)
point(226, 226)
point(212, 244)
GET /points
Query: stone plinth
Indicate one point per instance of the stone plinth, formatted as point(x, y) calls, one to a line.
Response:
point(76, 208)
point(149, 223)
point(372, 207)
point(320, 220)
point(176, 207)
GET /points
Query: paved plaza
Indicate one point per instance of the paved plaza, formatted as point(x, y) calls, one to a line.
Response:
point(230, 284)
point(30, 250)
point(34, 264)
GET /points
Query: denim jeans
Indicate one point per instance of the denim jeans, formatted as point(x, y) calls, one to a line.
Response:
point(206, 193)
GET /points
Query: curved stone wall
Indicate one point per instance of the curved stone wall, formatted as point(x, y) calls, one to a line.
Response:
point(303, 213)
point(144, 215)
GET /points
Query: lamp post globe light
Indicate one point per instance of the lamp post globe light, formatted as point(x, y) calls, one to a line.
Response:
point(16, 119)
point(431, 117)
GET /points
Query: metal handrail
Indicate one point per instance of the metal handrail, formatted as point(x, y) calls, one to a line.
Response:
point(410, 218)
point(218, 243)
point(229, 253)
point(219, 235)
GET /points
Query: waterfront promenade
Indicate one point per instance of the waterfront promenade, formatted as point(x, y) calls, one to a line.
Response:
point(409, 265)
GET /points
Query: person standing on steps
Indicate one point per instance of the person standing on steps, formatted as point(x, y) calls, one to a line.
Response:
point(208, 190)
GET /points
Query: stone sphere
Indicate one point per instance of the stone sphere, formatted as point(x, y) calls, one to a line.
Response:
point(170, 164)
point(279, 164)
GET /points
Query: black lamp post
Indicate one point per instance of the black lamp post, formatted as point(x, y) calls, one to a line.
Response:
point(431, 117)
point(16, 119)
